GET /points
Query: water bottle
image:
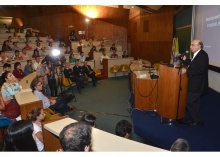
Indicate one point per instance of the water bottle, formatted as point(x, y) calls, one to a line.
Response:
point(12, 57)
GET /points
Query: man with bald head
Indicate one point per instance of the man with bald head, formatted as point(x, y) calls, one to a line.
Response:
point(197, 73)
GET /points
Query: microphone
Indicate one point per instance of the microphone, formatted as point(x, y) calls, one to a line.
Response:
point(183, 54)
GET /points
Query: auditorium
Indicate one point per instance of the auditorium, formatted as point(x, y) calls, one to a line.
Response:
point(110, 78)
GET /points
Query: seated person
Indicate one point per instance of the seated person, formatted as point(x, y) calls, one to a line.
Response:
point(81, 57)
point(180, 145)
point(81, 43)
point(9, 89)
point(72, 59)
point(89, 72)
point(39, 47)
point(27, 47)
point(54, 103)
point(35, 53)
point(17, 133)
point(4, 58)
point(5, 46)
point(18, 72)
point(49, 39)
point(103, 56)
point(37, 115)
point(114, 55)
point(113, 47)
point(73, 36)
point(102, 48)
point(17, 55)
point(15, 46)
point(123, 128)
point(28, 68)
point(67, 50)
point(76, 137)
point(62, 44)
point(38, 39)
point(90, 43)
point(36, 63)
point(125, 55)
point(91, 52)
point(89, 118)
point(24, 54)
point(10, 39)
point(78, 72)
point(68, 73)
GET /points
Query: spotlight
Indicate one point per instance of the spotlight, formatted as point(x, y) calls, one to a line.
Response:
point(55, 52)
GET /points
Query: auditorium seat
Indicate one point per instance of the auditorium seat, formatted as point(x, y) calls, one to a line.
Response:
point(115, 69)
point(124, 68)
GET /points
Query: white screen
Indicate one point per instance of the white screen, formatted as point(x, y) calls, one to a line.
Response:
point(207, 28)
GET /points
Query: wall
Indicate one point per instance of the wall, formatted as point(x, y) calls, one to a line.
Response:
point(154, 45)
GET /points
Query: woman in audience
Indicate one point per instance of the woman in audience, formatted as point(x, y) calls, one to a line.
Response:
point(36, 116)
point(19, 137)
point(89, 118)
point(15, 46)
point(90, 43)
point(18, 72)
point(10, 88)
point(35, 53)
point(5, 46)
point(72, 59)
point(10, 40)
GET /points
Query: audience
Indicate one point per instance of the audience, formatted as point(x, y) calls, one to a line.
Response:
point(76, 137)
point(18, 72)
point(36, 116)
point(4, 58)
point(24, 54)
point(17, 55)
point(89, 118)
point(36, 63)
point(19, 137)
point(114, 55)
point(102, 48)
point(89, 72)
point(27, 46)
point(15, 46)
point(73, 36)
point(103, 56)
point(68, 73)
point(67, 50)
point(125, 55)
point(113, 47)
point(5, 46)
point(10, 88)
point(28, 68)
point(180, 145)
point(81, 58)
point(35, 53)
point(72, 59)
point(54, 103)
point(123, 128)
point(78, 72)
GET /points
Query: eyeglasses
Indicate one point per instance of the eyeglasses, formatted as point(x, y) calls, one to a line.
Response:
point(40, 84)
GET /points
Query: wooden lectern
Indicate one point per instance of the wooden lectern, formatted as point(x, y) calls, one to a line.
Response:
point(171, 100)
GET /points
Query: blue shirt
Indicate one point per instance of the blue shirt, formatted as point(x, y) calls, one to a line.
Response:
point(45, 100)
point(27, 69)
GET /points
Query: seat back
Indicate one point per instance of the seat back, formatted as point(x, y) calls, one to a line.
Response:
point(97, 71)
point(51, 115)
point(115, 68)
point(124, 67)
point(66, 81)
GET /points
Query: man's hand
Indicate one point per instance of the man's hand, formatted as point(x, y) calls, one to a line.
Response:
point(183, 70)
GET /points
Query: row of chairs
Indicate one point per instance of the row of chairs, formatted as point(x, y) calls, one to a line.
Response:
point(119, 68)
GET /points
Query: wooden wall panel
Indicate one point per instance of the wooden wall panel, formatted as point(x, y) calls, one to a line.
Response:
point(156, 44)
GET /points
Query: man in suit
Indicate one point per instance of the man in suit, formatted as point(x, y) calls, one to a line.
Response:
point(68, 73)
point(78, 71)
point(89, 72)
point(197, 73)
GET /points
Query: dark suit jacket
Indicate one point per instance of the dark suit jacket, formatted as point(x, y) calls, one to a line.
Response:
point(68, 73)
point(78, 71)
point(86, 70)
point(197, 72)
